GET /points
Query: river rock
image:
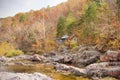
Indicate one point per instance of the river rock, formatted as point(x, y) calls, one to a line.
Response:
point(39, 58)
point(2, 59)
point(20, 57)
point(110, 56)
point(60, 57)
point(71, 69)
point(23, 76)
point(5, 59)
point(85, 58)
point(82, 48)
point(36, 57)
point(104, 69)
point(66, 58)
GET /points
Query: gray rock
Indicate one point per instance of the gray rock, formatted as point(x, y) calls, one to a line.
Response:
point(23, 76)
point(20, 57)
point(60, 57)
point(110, 56)
point(85, 58)
point(104, 69)
point(5, 59)
point(2, 59)
point(39, 58)
point(71, 69)
point(98, 70)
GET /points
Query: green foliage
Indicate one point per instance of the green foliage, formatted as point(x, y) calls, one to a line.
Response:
point(23, 18)
point(31, 36)
point(88, 20)
point(99, 2)
point(8, 50)
point(61, 27)
point(73, 44)
point(12, 53)
point(91, 12)
point(65, 25)
point(70, 21)
point(48, 7)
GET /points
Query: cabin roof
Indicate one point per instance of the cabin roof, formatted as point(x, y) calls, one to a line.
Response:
point(64, 36)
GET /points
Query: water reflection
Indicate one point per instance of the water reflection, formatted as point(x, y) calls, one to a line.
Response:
point(45, 69)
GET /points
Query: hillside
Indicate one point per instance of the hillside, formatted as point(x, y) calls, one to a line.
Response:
point(75, 40)
point(38, 29)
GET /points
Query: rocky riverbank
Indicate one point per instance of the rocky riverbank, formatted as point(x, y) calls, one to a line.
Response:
point(87, 62)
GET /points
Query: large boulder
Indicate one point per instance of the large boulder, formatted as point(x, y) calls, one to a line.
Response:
point(96, 70)
point(110, 56)
point(71, 69)
point(104, 69)
point(23, 76)
point(85, 58)
point(59, 57)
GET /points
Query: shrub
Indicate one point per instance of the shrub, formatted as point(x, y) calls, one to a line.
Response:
point(73, 44)
point(22, 18)
point(8, 50)
point(49, 45)
point(110, 38)
point(31, 36)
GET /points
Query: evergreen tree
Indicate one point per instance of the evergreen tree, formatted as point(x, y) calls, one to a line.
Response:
point(60, 27)
point(70, 21)
point(65, 25)
point(88, 18)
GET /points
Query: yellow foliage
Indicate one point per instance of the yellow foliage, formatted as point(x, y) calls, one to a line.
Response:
point(73, 44)
point(50, 45)
point(114, 44)
point(8, 50)
point(102, 35)
point(42, 46)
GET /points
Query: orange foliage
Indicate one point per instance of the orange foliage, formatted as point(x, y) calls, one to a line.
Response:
point(11, 26)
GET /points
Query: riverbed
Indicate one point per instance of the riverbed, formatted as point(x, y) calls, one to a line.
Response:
point(46, 69)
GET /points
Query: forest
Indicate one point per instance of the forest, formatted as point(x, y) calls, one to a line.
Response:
point(75, 40)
